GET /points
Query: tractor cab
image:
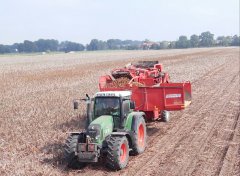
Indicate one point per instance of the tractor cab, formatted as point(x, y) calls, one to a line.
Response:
point(116, 104)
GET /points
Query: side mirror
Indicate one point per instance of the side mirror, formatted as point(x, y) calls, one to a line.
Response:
point(132, 105)
point(87, 96)
point(75, 105)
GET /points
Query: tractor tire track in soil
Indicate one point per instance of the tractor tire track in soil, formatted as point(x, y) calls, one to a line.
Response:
point(199, 141)
point(230, 162)
point(227, 146)
point(36, 113)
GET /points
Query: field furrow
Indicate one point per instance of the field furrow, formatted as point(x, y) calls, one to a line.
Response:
point(36, 112)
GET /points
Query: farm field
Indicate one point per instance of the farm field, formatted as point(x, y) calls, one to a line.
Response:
point(36, 112)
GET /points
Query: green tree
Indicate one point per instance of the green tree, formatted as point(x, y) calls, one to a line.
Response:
point(164, 45)
point(182, 42)
point(131, 44)
point(97, 45)
point(114, 44)
point(220, 40)
point(14, 48)
point(71, 46)
point(20, 47)
point(172, 45)
point(235, 40)
point(47, 45)
point(224, 41)
point(102, 45)
point(155, 46)
point(5, 49)
point(194, 40)
point(29, 46)
point(93, 45)
point(206, 39)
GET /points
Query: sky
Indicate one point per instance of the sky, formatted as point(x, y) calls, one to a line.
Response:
point(83, 20)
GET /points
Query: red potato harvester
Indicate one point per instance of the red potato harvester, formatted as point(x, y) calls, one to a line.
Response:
point(152, 91)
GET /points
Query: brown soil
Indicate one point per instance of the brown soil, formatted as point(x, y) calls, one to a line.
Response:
point(36, 112)
point(118, 83)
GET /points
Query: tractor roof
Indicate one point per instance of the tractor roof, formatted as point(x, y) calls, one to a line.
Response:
point(113, 94)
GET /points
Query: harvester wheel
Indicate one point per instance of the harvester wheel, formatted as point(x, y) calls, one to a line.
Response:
point(140, 137)
point(70, 152)
point(117, 153)
point(165, 116)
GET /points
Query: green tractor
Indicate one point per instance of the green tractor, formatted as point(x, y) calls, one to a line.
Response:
point(113, 131)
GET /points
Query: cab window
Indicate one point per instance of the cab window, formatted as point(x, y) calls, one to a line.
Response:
point(107, 106)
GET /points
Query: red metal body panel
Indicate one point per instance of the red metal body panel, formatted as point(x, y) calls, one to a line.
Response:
point(153, 99)
point(151, 90)
point(168, 96)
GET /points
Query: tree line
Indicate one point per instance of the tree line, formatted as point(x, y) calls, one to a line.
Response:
point(205, 39)
point(41, 45)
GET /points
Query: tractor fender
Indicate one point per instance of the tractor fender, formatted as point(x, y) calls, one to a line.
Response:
point(127, 134)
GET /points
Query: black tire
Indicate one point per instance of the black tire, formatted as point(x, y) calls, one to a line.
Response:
point(165, 116)
point(70, 150)
point(139, 145)
point(117, 155)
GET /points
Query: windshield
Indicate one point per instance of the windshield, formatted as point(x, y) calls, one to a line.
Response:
point(107, 106)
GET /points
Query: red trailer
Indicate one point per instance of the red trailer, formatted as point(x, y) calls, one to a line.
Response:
point(151, 96)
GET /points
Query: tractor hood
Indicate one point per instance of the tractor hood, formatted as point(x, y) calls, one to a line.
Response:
point(100, 128)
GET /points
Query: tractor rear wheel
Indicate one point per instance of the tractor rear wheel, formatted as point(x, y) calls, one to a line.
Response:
point(140, 137)
point(165, 116)
point(70, 150)
point(117, 152)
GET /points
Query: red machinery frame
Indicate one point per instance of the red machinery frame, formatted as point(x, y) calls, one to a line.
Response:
point(154, 94)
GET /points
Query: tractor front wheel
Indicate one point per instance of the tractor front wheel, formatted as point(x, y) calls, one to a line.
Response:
point(117, 153)
point(140, 137)
point(70, 150)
